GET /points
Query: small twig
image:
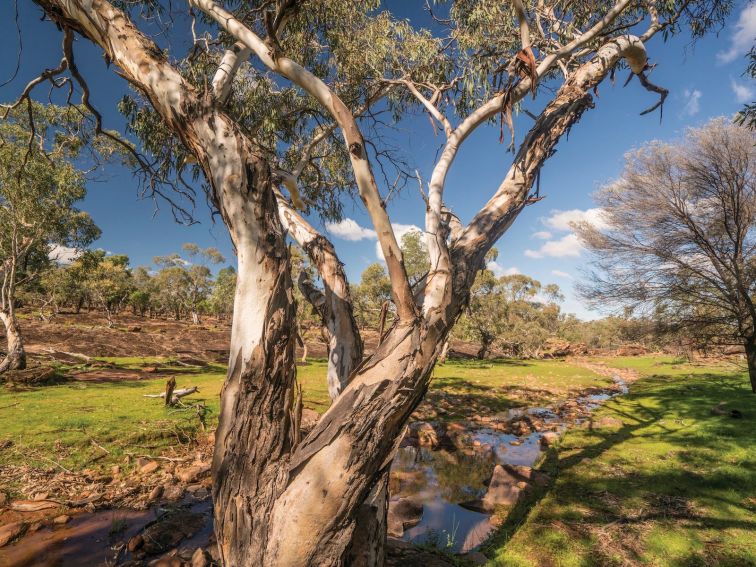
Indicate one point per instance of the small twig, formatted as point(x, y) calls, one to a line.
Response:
point(158, 458)
point(662, 92)
point(55, 463)
point(96, 444)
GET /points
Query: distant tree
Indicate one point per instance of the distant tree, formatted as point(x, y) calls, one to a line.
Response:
point(141, 298)
point(534, 315)
point(171, 284)
point(514, 312)
point(681, 236)
point(415, 253)
point(200, 281)
point(486, 315)
point(108, 284)
point(370, 295)
point(59, 287)
point(40, 186)
point(185, 285)
point(221, 300)
point(204, 256)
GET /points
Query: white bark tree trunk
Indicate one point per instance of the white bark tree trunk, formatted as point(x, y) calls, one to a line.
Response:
point(276, 503)
point(15, 358)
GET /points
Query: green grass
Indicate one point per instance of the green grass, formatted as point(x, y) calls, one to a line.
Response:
point(466, 387)
point(61, 425)
point(674, 485)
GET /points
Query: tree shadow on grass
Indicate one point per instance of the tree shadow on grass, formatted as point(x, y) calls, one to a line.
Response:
point(679, 475)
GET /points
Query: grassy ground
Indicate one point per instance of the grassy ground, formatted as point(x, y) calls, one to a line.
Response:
point(665, 482)
point(73, 423)
point(467, 387)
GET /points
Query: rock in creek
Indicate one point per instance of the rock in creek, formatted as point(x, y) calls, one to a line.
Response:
point(425, 434)
point(506, 487)
point(166, 533)
point(192, 473)
point(403, 513)
point(457, 436)
point(549, 438)
point(9, 532)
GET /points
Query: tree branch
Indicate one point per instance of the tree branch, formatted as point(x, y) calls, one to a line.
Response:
point(336, 309)
point(363, 174)
point(229, 65)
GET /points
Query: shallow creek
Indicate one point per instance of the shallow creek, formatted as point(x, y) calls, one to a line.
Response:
point(444, 480)
point(447, 481)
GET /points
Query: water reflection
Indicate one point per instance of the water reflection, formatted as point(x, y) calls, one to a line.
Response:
point(442, 480)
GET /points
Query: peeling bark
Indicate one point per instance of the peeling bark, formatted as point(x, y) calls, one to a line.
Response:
point(334, 304)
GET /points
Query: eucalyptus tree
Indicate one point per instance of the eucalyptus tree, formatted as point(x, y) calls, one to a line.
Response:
point(221, 300)
point(370, 295)
point(681, 238)
point(282, 97)
point(486, 317)
point(108, 283)
point(515, 312)
point(415, 254)
point(142, 297)
point(172, 284)
point(199, 280)
point(40, 186)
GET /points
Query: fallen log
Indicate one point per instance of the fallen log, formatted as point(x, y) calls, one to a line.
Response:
point(177, 394)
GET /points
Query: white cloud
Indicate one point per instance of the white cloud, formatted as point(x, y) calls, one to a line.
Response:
point(743, 93)
point(348, 229)
point(743, 36)
point(561, 274)
point(562, 220)
point(568, 245)
point(399, 230)
point(63, 254)
point(542, 235)
point(500, 270)
point(692, 101)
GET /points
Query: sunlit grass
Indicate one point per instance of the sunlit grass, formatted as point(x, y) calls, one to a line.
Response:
point(673, 486)
point(65, 423)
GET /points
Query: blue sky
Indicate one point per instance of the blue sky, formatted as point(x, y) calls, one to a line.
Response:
point(705, 80)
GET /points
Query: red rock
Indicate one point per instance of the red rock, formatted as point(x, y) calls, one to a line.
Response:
point(135, 543)
point(34, 505)
point(194, 472)
point(149, 467)
point(9, 532)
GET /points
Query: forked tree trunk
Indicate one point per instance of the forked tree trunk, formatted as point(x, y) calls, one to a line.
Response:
point(15, 359)
point(277, 504)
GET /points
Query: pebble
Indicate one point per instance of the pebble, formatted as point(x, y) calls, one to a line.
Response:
point(149, 467)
